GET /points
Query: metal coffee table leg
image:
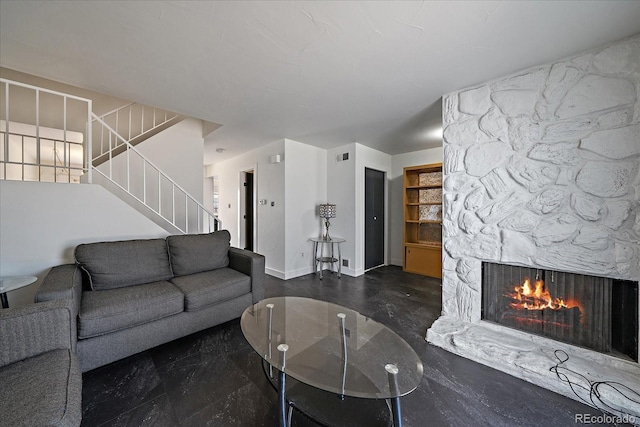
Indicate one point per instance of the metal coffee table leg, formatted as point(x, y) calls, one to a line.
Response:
point(282, 400)
point(392, 371)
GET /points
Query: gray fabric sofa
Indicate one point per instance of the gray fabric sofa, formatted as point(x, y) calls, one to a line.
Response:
point(40, 378)
point(136, 294)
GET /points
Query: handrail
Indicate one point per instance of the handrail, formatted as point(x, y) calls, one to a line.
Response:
point(114, 110)
point(41, 89)
point(175, 185)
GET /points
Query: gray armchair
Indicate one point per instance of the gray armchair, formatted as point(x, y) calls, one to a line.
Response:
point(40, 378)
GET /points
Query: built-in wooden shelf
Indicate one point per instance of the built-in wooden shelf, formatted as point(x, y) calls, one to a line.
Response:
point(422, 198)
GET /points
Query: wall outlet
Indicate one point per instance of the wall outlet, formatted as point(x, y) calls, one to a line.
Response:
point(345, 262)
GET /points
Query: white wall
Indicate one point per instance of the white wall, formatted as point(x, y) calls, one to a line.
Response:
point(341, 190)
point(207, 190)
point(373, 159)
point(179, 152)
point(396, 211)
point(306, 177)
point(305, 189)
point(269, 184)
point(41, 223)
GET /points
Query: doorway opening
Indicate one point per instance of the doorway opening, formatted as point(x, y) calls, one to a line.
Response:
point(374, 207)
point(247, 210)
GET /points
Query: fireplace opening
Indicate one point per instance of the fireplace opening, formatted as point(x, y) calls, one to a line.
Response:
point(598, 313)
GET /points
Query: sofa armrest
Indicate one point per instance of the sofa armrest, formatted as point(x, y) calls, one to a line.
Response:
point(34, 329)
point(62, 282)
point(251, 264)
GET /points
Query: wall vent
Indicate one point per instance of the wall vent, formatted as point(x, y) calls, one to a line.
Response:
point(345, 262)
point(342, 157)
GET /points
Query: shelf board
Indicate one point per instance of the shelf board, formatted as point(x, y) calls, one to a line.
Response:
point(419, 187)
point(423, 244)
point(426, 203)
point(423, 221)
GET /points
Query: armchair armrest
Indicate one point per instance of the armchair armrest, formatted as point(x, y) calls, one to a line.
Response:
point(34, 329)
point(62, 282)
point(251, 264)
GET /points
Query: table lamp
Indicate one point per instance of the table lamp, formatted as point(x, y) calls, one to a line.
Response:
point(327, 211)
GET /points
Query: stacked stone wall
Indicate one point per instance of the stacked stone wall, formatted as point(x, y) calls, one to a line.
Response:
point(542, 169)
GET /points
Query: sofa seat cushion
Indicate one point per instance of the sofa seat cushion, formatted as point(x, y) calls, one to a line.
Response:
point(195, 253)
point(102, 312)
point(112, 265)
point(212, 287)
point(45, 390)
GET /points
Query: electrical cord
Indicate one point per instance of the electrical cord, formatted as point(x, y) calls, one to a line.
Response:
point(593, 388)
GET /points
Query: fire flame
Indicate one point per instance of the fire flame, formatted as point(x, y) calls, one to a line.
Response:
point(536, 297)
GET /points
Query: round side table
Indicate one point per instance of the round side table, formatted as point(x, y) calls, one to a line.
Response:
point(11, 283)
point(327, 255)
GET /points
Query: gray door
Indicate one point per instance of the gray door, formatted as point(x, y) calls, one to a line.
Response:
point(374, 218)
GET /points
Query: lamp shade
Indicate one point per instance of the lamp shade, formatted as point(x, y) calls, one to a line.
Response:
point(327, 211)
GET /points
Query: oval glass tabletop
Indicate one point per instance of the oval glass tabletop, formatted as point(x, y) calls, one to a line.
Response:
point(367, 360)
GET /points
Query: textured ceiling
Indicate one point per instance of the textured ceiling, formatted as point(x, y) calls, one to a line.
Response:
point(324, 73)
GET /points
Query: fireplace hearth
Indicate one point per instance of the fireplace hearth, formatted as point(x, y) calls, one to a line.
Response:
point(597, 313)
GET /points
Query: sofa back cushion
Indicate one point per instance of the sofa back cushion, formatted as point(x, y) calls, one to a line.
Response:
point(195, 253)
point(112, 265)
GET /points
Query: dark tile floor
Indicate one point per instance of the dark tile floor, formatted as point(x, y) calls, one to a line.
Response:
point(214, 378)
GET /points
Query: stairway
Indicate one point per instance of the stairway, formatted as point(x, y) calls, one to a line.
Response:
point(126, 172)
point(135, 122)
point(107, 145)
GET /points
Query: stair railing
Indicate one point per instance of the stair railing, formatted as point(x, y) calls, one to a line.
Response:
point(133, 173)
point(130, 121)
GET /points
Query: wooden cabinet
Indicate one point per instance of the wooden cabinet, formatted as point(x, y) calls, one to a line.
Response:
point(423, 219)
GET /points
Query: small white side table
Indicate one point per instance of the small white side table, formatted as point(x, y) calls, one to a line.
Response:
point(324, 253)
point(11, 283)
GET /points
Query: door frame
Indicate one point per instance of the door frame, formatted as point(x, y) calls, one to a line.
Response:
point(241, 206)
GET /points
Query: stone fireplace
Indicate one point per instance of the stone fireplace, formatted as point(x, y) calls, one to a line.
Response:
point(541, 171)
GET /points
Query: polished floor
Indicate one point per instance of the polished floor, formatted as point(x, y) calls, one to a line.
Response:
point(213, 378)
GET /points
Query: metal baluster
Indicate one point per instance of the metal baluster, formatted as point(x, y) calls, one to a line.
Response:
point(6, 126)
point(144, 181)
point(37, 138)
point(128, 169)
point(64, 146)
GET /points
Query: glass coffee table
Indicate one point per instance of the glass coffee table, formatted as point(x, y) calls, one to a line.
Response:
point(329, 358)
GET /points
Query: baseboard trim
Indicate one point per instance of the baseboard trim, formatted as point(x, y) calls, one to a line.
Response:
point(274, 273)
point(297, 273)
